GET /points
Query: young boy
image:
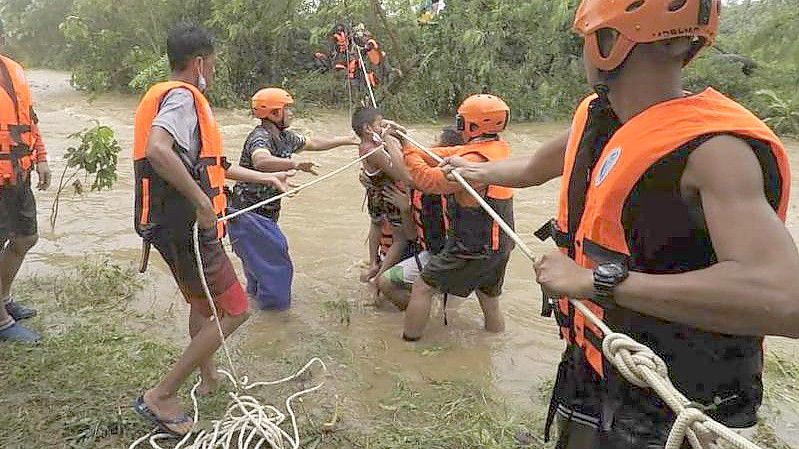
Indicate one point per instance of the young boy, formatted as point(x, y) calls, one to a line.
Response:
point(381, 170)
point(427, 231)
point(255, 236)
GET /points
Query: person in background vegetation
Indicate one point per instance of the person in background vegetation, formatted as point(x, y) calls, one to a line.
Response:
point(255, 236)
point(21, 150)
point(650, 230)
point(180, 173)
point(339, 47)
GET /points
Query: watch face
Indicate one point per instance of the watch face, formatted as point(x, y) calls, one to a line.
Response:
point(611, 269)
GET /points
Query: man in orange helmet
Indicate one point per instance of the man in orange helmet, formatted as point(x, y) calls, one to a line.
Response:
point(476, 252)
point(271, 145)
point(256, 237)
point(21, 150)
point(655, 184)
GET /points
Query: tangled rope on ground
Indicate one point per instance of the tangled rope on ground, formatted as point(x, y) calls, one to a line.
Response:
point(247, 423)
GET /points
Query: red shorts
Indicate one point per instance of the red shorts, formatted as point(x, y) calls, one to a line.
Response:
point(177, 249)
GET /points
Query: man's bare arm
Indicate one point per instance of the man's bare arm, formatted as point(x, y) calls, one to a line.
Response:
point(328, 143)
point(752, 290)
point(544, 165)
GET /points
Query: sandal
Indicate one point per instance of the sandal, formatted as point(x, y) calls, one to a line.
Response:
point(142, 410)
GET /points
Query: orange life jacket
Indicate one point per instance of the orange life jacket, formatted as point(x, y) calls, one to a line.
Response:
point(474, 232)
point(373, 52)
point(341, 41)
point(430, 220)
point(209, 169)
point(354, 68)
point(593, 232)
point(372, 79)
point(16, 127)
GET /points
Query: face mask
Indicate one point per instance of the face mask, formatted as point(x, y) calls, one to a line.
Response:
point(202, 84)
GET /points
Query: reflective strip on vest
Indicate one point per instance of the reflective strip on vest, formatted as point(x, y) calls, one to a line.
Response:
point(16, 126)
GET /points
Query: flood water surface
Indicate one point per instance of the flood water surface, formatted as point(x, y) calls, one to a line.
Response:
point(327, 229)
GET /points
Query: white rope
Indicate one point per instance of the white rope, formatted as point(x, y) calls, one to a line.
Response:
point(256, 425)
point(302, 187)
point(246, 423)
point(366, 76)
point(635, 361)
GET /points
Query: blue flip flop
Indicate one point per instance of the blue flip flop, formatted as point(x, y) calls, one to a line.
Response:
point(142, 410)
point(18, 311)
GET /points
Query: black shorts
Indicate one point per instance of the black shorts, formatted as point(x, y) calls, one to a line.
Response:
point(17, 211)
point(450, 273)
point(177, 248)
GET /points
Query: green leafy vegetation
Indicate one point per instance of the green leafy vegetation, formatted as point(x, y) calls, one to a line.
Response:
point(96, 154)
point(523, 51)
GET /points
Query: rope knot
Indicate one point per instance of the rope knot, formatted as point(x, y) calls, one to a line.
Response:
point(630, 357)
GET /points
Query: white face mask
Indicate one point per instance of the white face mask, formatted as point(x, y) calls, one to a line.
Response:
point(202, 84)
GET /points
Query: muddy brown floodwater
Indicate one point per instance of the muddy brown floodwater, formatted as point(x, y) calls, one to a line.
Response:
point(327, 229)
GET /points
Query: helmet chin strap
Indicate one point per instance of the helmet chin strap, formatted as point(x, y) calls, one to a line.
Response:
point(603, 91)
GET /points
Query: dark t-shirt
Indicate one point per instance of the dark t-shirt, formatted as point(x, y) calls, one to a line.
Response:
point(284, 146)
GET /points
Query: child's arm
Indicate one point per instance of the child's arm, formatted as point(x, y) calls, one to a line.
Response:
point(402, 201)
point(390, 162)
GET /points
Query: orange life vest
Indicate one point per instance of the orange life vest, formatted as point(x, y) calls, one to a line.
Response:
point(354, 68)
point(16, 126)
point(371, 78)
point(593, 232)
point(474, 232)
point(341, 41)
point(209, 169)
point(373, 52)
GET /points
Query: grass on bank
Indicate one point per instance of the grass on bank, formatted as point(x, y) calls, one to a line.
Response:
point(75, 390)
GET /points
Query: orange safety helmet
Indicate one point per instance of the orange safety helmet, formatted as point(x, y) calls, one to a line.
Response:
point(269, 103)
point(482, 114)
point(644, 21)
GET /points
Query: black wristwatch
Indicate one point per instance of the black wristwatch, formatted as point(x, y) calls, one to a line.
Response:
point(606, 277)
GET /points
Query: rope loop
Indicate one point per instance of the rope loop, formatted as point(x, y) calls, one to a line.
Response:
point(630, 357)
